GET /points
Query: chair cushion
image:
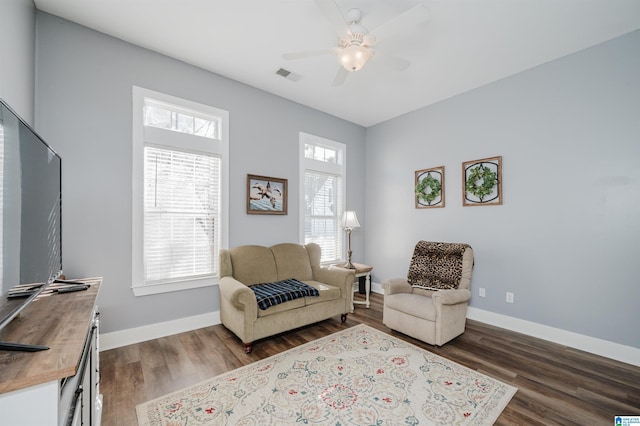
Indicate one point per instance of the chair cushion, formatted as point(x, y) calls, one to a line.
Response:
point(436, 266)
point(412, 304)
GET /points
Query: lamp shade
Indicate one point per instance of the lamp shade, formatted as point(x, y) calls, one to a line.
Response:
point(353, 57)
point(350, 220)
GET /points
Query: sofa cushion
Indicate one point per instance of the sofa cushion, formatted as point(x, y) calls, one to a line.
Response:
point(283, 307)
point(253, 265)
point(292, 261)
point(436, 266)
point(327, 292)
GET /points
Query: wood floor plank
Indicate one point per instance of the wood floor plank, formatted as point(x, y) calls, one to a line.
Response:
point(556, 385)
point(206, 354)
point(126, 388)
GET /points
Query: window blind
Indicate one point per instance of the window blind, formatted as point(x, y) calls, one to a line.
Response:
point(181, 214)
point(323, 207)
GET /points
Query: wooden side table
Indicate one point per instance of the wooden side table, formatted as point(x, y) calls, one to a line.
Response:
point(361, 271)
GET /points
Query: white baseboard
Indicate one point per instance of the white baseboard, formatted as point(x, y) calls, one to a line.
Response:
point(627, 354)
point(130, 336)
point(616, 351)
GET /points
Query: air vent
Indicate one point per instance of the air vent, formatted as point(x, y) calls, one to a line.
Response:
point(288, 74)
point(283, 72)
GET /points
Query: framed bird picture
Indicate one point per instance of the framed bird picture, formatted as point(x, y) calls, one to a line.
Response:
point(266, 195)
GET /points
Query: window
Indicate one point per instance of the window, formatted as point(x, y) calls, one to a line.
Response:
point(179, 199)
point(322, 171)
point(157, 115)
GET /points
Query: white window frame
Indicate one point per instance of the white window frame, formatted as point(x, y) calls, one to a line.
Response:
point(339, 168)
point(173, 140)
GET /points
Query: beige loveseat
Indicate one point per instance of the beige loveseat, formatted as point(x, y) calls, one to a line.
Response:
point(244, 266)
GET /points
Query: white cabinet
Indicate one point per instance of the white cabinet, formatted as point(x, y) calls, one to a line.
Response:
point(80, 400)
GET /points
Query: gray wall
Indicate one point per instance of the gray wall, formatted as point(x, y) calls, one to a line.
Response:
point(83, 108)
point(17, 55)
point(566, 239)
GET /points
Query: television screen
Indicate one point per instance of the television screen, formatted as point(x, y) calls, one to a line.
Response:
point(30, 211)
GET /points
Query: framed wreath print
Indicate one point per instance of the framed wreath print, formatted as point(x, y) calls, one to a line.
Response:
point(482, 182)
point(429, 188)
point(266, 195)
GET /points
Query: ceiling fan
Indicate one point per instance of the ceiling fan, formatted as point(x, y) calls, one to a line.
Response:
point(354, 41)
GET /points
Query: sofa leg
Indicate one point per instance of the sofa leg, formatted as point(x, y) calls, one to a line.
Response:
point(343, 317)
point(247, 347)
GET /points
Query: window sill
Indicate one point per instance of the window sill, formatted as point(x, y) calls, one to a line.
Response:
point(149, 289)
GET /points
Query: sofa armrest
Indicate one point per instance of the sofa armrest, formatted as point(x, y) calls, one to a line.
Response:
point(451, 297)
point(239, 295)
point(341, 278)
point(396, 286)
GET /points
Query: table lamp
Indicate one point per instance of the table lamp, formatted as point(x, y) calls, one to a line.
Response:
point(349, 223)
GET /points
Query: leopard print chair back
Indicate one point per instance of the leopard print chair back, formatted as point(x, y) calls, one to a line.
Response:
point(438, 266)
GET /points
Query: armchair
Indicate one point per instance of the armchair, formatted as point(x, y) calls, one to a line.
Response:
point(431, 303)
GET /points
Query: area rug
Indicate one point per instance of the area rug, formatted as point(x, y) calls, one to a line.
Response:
point(359, 376)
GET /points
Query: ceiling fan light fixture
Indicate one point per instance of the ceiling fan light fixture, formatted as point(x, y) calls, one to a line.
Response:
point(354, 57)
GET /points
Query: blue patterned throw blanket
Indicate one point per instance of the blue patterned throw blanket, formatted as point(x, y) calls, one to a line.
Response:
point(272, 294)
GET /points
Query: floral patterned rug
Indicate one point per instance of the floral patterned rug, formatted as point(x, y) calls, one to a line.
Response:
point(359, 376)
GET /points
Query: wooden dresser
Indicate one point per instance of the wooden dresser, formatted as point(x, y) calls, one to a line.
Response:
point(58, 386)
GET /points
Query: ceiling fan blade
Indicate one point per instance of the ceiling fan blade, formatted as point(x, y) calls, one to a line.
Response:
point(341, 76)
point(414, 16)
point(395, 62)
point(332, 12)
point(308, 54)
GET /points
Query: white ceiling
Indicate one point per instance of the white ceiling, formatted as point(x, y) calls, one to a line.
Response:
point(464, 44)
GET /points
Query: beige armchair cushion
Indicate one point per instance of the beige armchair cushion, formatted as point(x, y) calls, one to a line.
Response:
point(412, 305)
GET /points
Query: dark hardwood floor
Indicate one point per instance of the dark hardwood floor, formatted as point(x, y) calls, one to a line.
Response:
point(556, 385)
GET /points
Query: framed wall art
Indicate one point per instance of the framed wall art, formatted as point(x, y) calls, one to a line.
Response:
point(429, 188)
point(266, 195)
point(482, 182)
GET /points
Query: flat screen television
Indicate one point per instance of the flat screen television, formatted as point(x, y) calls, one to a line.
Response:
point(30, 218)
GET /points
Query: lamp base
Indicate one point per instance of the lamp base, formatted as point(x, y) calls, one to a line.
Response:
point(349, 265)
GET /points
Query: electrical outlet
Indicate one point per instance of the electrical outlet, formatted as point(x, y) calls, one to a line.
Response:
point(510, 297)
point(481, 292)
